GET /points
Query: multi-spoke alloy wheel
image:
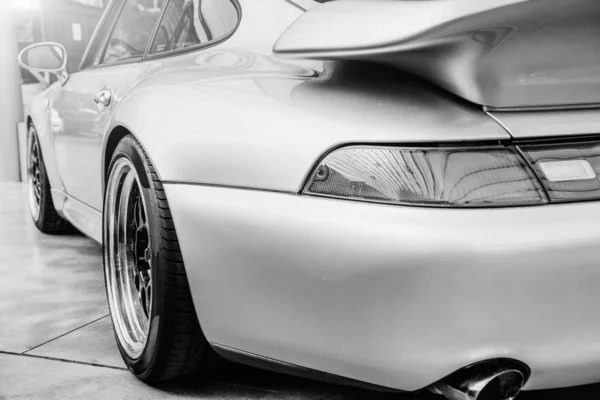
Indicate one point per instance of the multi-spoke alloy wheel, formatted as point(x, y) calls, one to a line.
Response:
point(129, 269)
point(34, 178)
point(44, 215)
point(149, 296)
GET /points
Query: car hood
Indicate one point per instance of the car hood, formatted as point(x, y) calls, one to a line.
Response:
point(506, 54)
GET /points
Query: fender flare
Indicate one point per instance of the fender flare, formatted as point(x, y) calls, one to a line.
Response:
point(116, 132)
point(109, 146)
point(39, 117)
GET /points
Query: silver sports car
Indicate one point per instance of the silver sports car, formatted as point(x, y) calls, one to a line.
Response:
point(395, 194)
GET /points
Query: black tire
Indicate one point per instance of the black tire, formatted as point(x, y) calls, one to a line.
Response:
point(47, 219)
point(176, 346)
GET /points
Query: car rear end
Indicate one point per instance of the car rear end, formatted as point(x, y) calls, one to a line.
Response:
point(403, 262)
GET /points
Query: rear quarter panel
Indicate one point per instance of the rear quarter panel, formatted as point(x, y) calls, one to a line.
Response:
point(236, 115)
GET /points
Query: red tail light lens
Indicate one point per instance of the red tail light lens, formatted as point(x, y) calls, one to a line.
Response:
point(478, 177)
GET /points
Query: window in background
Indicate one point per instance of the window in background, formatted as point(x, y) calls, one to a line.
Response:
point(93, 3)
point(133, 30)
point(189, 23)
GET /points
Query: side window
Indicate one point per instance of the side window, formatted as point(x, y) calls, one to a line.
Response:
point(133, 30)
point(189, 23)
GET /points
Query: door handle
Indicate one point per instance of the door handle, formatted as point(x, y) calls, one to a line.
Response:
point(103, 97)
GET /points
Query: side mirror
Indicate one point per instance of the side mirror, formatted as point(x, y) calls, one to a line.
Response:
point(45, 57)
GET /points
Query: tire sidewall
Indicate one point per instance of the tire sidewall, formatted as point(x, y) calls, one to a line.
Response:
point(141, 366)
point(32, 133)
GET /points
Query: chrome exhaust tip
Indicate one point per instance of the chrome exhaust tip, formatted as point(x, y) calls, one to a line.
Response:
point(484, 381)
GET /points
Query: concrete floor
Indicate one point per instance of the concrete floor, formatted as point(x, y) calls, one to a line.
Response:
point(56, 339)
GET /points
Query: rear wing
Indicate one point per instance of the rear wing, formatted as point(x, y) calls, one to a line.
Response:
point(498, 53)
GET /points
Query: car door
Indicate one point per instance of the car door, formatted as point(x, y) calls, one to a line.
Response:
point(81, 108)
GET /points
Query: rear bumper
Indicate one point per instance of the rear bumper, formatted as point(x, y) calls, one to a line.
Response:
point(390, 295)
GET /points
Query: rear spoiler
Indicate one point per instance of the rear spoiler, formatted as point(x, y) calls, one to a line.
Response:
point(498, 53)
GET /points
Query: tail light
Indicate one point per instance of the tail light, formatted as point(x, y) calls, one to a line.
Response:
point(437, 177)
point(568, 172)
point(460, 177)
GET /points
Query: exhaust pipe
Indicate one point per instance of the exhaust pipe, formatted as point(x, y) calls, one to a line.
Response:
point(484, 381)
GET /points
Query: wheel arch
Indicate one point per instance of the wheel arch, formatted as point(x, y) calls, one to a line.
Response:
point(111, 142)
point(38, 118)
point(117, 133)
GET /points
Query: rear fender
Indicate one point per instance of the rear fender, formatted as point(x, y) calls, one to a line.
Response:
point(40, 117)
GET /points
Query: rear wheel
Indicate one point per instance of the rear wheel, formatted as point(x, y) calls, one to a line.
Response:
point(153, 315)
point(44, 215)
